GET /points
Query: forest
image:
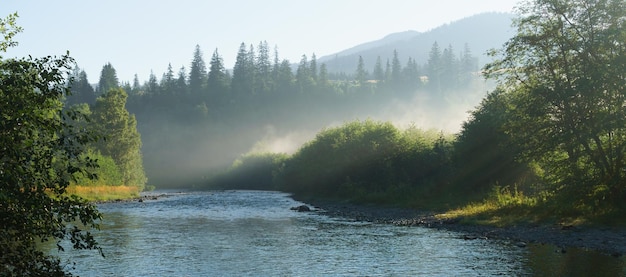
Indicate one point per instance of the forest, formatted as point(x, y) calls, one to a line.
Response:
point(196, 124)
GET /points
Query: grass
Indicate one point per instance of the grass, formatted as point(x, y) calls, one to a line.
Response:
point(507, 207)
point(504, 207)
point(104, 193)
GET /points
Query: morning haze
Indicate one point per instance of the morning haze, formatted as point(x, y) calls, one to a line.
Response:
point(194, 126)
point(313, 138)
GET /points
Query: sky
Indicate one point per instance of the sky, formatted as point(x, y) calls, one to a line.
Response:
point(144, 36)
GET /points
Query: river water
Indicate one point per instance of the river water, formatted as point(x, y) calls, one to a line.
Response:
point(254, 233)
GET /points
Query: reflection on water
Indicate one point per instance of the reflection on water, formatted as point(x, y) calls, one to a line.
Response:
point(247, 233)
point(548, 260)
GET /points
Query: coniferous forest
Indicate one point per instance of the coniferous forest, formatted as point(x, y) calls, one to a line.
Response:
point(195, 122)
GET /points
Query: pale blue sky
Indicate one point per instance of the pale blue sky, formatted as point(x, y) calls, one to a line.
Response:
point(137, 36)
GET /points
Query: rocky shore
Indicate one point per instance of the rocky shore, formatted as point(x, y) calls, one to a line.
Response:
point(611, 241)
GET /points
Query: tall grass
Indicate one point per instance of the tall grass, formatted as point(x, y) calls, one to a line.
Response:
point(104, 193)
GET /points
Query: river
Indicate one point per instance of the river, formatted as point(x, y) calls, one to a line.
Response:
point(254, 233)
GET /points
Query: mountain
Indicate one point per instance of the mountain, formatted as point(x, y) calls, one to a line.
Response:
point(481, 32)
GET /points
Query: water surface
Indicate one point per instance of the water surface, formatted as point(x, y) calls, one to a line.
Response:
point(254, 233)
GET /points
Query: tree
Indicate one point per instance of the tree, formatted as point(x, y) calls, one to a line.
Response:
point(152, 86)
point(242, 83)
point(197, 75)
point(39, 154)
point(566, 72)
point(263, 70)
point(219, 80)
point(303, 75)
point(396, 70)
point(410, 75)
point(313, 68)
point(469, 65)
point(108, 79)
point(123, 142)
point(449, 69)
point(360, 74)
point(82, 91)
point(285, 78)
point(379, 73)
point(167, 81)
point(434, 68)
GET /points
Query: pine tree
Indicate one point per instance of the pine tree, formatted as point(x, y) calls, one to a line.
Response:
point(181, 86)
point(108, 79)
point(313, 68)
point(168, 81)
point(379, 73)
point(197, 76)
point(449, 69)
point(434, 68)
point(152, 86)
point(285, 78)
point(360, 75)
point(82, 91)
point(218, 82)
point(243, 80)
point(263, 70)
point(396, 70)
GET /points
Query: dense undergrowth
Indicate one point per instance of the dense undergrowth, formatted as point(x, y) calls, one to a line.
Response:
point(372, 162)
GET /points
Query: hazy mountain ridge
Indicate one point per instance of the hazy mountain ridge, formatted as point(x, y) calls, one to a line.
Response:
point(481, 32)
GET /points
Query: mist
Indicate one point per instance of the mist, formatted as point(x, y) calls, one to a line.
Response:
point(182, 154)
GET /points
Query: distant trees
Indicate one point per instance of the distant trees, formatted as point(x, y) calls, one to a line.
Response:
point(108, 79)
point(82, 91)
point(261, 90)
point(198, 77)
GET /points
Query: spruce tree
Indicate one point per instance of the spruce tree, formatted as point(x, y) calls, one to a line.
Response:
point(108, 79)
point(197, 77)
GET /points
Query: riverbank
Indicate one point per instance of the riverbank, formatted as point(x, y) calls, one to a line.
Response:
point(608, 240)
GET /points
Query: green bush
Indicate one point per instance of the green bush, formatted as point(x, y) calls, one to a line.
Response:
point(253, 171)
point(107, 173)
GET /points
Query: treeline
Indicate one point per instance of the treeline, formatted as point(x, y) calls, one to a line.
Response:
point(549, 141)
point(207, 116)
point(258, 75)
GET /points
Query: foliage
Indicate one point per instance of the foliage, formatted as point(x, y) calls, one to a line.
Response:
point(123, 141)
point(39, 154)
point(367, 161)
point(107, 173)
point(486, 155)
point(8, 29)
point(253, 171)
point(565, 72)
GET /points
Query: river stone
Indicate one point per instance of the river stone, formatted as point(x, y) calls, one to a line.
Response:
point(301, 208)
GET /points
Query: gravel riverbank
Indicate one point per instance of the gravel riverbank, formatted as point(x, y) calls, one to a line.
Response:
point(611, 241)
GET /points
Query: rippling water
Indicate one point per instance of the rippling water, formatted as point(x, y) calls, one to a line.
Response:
point(252, 233)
